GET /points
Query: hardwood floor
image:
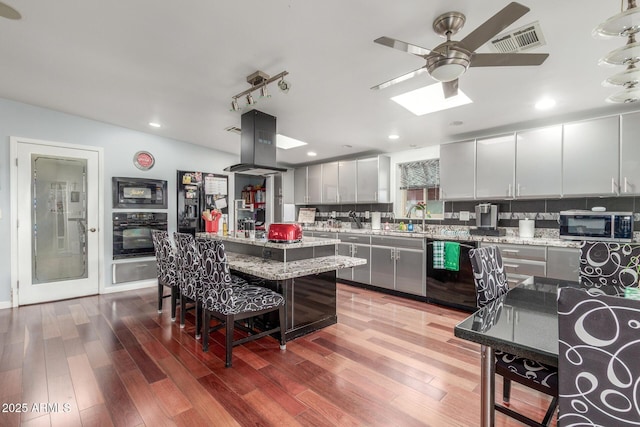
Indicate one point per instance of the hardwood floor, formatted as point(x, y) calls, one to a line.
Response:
point(112, 360)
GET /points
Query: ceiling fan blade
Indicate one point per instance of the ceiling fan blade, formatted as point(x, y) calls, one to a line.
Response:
point(450, 88)
point(492, 26)
point(403, 46)
point(8, 12)
point(401, 78)
point(507, 59)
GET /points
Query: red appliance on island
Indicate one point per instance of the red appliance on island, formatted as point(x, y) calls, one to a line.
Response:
point(285, 232)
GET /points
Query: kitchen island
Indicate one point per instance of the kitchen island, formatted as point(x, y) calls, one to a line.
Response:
point(303, 272)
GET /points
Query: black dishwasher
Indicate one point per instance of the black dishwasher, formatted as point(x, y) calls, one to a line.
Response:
point(452, 288)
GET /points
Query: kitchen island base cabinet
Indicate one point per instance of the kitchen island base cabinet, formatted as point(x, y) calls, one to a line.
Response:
point(310, 302)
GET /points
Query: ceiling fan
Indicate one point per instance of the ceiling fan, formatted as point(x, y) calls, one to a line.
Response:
point(449, 60)
point(8, 12)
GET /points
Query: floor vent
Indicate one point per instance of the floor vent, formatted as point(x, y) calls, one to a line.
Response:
point(521, 39)
point(233, 129)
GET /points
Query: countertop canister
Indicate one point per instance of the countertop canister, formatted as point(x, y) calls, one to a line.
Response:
point(526, 228)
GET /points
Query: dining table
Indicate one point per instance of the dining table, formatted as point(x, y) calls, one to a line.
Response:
point(523, 322)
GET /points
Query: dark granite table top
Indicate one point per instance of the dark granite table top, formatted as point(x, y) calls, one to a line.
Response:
point(524, 321)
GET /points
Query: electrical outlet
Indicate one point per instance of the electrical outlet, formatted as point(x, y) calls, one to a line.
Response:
point(0, 213)
point(366, 214)
point(464, 215)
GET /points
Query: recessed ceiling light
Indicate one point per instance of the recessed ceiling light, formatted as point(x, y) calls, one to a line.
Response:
point(545, 104)
point(430, 99)
point(312, 153)
point(347, 146)
point(286, 142)
point(154, 124)
point(394, 136)
point(456, 123)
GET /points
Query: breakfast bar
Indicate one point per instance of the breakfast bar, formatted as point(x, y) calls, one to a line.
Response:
point(304, 272)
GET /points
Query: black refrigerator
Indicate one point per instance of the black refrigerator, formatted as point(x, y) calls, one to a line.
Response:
point(197, 192)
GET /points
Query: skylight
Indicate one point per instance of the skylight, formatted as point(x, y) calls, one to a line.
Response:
point(430, 99)
point(286, 143)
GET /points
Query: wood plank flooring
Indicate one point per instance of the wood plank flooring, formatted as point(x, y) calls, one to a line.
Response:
point(112, 360)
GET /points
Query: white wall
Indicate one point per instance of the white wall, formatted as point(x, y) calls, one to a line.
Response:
point(120, 144)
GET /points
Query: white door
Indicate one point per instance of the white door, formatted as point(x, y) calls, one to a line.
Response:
point(57, 196)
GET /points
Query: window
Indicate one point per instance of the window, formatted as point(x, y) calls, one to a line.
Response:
point(420, 190)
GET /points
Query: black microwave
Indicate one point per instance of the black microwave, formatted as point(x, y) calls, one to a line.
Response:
point(597, 226)
point(139, 193)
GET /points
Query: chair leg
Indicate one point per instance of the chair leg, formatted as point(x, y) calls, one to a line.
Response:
point(229, 339)
point(160, 295)
point(183, 304)
point(506, 391)
point(174, 302)
point(283, 327)
point(198, 320)
point(206, 317)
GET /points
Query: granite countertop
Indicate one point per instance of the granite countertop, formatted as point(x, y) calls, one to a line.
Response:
point(277, 270)
point(306, 242)
point(544, 237)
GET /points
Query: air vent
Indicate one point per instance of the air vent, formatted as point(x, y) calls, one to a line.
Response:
point(234, 129)
point(521, 39)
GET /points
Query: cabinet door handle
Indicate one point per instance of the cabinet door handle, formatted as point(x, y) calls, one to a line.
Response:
point(355, 250)
point(613, 186)
point(393, 254)
point(509, 191)
point(511, 265)
point(518, 190)
point(375, 196)
point(511, 251)
point(626, 183)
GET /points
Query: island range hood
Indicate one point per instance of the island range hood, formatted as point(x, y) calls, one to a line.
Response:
point(257, 145)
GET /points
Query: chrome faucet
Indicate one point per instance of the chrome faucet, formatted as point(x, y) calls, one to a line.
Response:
point(355, 219)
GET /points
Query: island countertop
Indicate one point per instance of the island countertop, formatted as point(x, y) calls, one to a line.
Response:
point(306, 242)
point(277, 270)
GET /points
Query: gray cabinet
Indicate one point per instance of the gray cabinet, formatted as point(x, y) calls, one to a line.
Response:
point(590, 157)
point(314, 184)
point(630, 154)
point(358, 246)
point(522, 261)
point(495, 167)
point(563, 263)
point(539, 162)
point(347, 176)
point(373, 180)
point(300, 186)
point(457, 170)
point(398, 263)
point(330, 182)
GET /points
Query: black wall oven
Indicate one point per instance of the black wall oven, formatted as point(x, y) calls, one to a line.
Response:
point(139, 193)
point(132, 233)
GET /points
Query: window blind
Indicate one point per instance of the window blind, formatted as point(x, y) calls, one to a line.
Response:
point(422, 174)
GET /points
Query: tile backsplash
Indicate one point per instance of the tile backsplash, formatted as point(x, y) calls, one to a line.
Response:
point(544, 211)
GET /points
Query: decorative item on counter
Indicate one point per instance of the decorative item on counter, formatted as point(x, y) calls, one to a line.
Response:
point(211, 220)
point(421, 209)
point(386, 226)
point(402, 226)
point(410, 226)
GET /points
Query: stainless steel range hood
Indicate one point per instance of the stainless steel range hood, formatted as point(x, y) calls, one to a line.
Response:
point(257, 145)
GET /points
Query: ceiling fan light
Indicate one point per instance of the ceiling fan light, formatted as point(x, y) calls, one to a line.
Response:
point(448, 72)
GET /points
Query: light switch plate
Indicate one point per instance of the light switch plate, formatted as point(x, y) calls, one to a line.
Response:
point(464, 215)
point(0, 213)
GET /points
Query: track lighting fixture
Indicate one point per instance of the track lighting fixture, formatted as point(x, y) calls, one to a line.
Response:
point(259, 81)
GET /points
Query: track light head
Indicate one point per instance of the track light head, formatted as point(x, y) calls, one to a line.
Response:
point(250, 100)
point(264, 93)
point(234, 105)
point(284, 85)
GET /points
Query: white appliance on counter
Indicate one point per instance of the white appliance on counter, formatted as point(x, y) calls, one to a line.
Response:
point(375, 220)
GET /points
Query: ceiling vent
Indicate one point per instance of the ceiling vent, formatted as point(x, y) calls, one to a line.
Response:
point(234, 129)
point(519, 40)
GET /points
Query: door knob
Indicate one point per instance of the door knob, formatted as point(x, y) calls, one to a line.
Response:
point(92, 229)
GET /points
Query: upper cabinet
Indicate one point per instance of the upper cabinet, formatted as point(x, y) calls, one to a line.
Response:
point(539, 162)
point(630, 154)
point(457, 170)
point(329, 182)
point(590, 157)
point(495, 167)
point(300, 186)
point(347, 181)
point(373, 180)
point(351, 181)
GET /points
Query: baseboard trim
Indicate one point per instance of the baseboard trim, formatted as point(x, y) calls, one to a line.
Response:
point(5, 304)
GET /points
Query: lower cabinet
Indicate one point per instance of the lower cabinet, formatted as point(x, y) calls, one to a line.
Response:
point(357, 246)
point(399, 264)
point(563, 263)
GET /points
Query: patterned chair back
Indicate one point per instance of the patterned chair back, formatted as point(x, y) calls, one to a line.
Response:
point(215, 274)
point(187, 261)
point(488, 274)
point(609, 264)
point(165, 257)
point(598, 359)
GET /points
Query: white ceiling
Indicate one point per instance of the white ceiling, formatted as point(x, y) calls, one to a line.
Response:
point(179, 63)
